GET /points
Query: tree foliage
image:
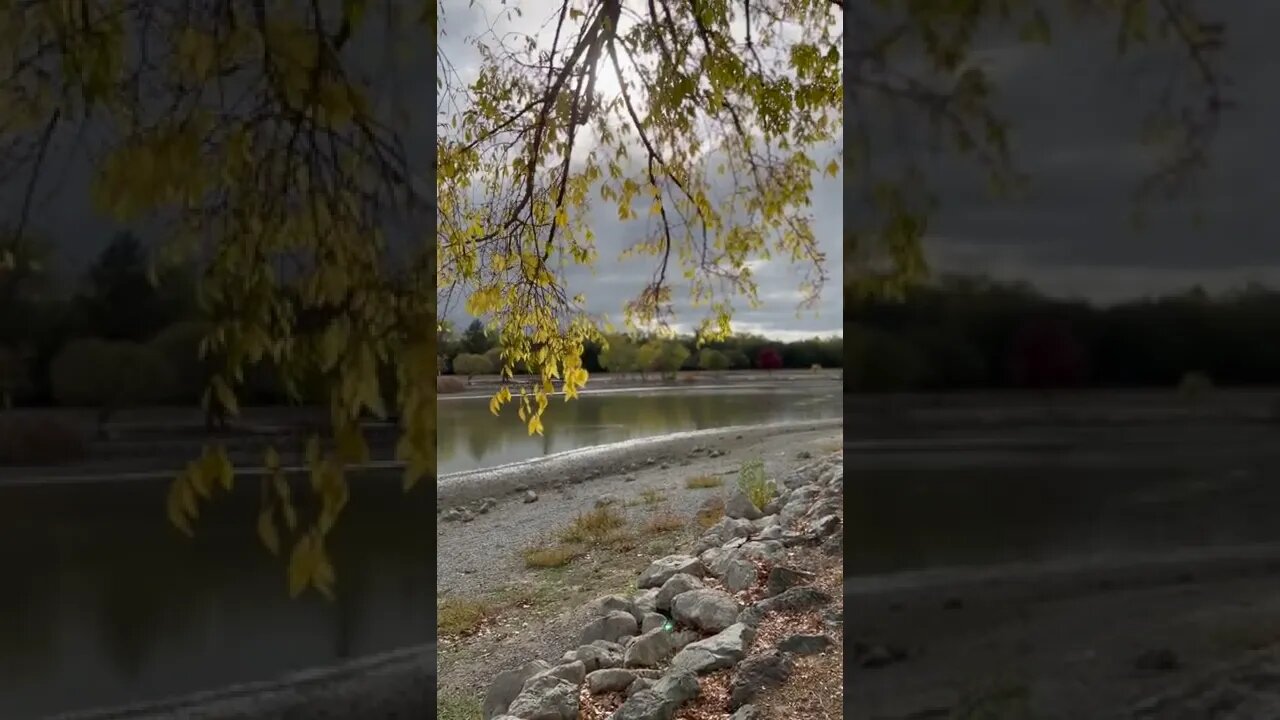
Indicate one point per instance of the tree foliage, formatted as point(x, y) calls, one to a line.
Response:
point(469, 364)
point(706, 122)
point(712, 359)
point(247, 135)
point(109, 375)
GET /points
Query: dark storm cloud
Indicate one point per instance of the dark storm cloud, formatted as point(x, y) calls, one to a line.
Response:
point(613, 281)
point(1076, 113)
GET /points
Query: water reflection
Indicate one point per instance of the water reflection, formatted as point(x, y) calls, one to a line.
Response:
point(947, 509)
point(470, 437)
point(104, 604)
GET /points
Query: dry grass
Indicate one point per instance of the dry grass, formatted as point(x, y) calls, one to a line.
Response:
point(463, 616)
point(550, 556)
point(594, 527)
point(652, 498)
point(664, 523)
point(453, 706)
point(703, 482)
point(712, 514)
point(815, 690)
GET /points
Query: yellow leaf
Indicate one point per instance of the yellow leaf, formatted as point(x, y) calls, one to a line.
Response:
point(301, 566)
point(267, 531)
point(174, 506)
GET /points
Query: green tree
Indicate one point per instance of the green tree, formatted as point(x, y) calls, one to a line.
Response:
point(109, 376)
point(475, 340)
point(620, 355)
point(663, 356)
point(179, 346)
point(470, 364)
point(709, 359)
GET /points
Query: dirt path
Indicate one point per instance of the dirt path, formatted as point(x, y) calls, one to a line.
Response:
point(1097, 653)
point(497, 612)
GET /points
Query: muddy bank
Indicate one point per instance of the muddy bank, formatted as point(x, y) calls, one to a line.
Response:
point(1099, 639)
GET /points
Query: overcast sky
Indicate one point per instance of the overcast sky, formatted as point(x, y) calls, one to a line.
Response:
point(1076, 115)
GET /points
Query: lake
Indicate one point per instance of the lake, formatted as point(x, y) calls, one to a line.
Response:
point(1105, 490)
point(104, 603)
point(470, 437)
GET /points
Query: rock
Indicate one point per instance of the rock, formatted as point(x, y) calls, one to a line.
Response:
point(546, 698)
point(773, 532)
point(739, 575)
point(629, 478)
point(768, 552)
point(653, 621)
point(606, 604)
point(610, 680)
point(661, 571)
point(507, 685)
point(707, 610)
point(681, 638)
point(596, 656)
point(649, 650)
point(747, 712)
point(756, 674)
point(639, 684)
point(606, 501)
point(646, 601)
point(805, 644)
point(1157, 660)
point(772, 507)
point(783, 578)
point(797, 599)
point(614, 626)
point(530, 496)
point(661, 700)
point(722, 532)
point(804, 455)
point(738, 505)
point(457, 515)
point(833, 545)
point(485, 505)
point(722, 650)
point(764, 522)
point(574, 671)
point(824, 526)
point(675, 585)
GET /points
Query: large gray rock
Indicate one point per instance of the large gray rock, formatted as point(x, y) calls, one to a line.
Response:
point(661, 700)
point(722, 532)
point(661, 570)
point(507, 686)
point(802, 598)
point(757, 673)
point(739, 575)
point(649, 650)
point(738, 505)
point(675, 585)
point(610, 680)
point(768, 552)
point(646, 601)
point(546, 698)
point(602, 606)
point(653, 621)
point(783, 578)
point(599, 654)
point(574, 671)
point(719, 651)
point(707, 610)
point(614, 626)
point(805, 644)
point(747, 712)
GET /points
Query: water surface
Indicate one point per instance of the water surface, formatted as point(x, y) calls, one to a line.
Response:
point(471, 437)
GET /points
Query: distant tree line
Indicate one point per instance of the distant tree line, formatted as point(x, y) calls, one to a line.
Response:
point(972, 332)
point(477, 351)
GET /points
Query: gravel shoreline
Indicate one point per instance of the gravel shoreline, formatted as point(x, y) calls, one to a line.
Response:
point(470, 562)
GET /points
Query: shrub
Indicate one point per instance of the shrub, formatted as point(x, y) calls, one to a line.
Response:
point(109, 375)
point(755, 485)
point(702, 482)
point(713, 360)
point(469, 364)
point(550, 556)
point(594, 527)
point(179, 346)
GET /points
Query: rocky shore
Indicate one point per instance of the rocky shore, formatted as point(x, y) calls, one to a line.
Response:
point(719, 631)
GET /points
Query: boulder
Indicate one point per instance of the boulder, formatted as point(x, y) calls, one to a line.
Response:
point(707, 610)
point(661, 700)
point(738, 505)
point(719, 651)
point(649, 650)
point(757, 673)
point(612, 627)
point(507, 685)
point(546, 698)
point(675, 585)
point(662, 570)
